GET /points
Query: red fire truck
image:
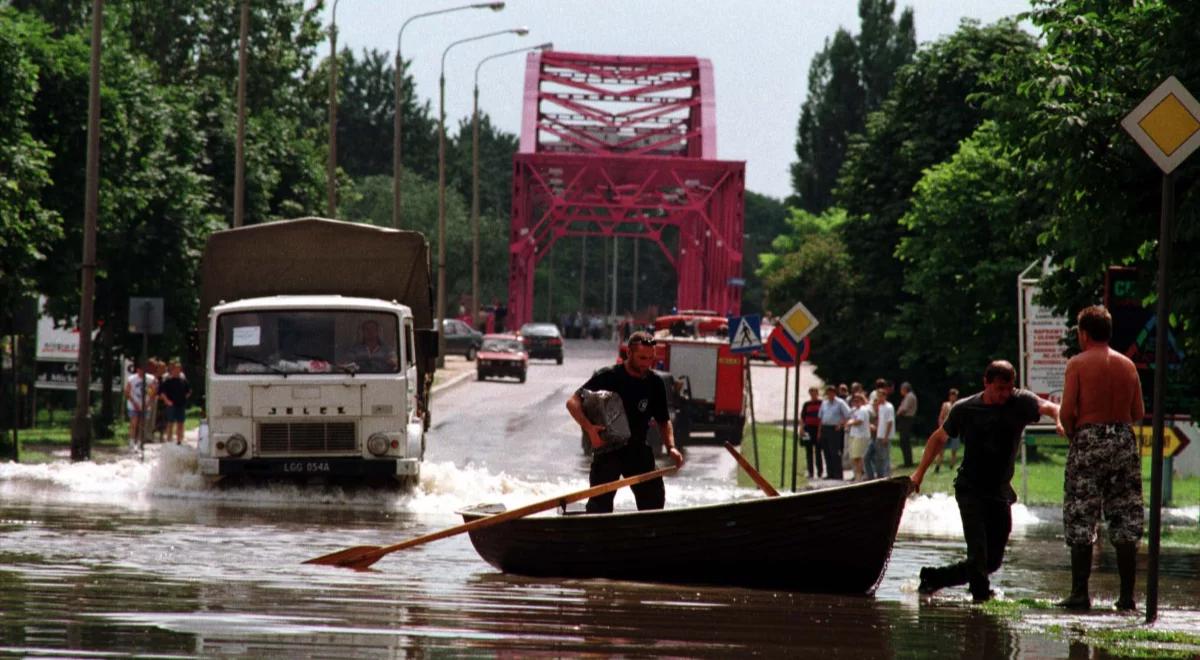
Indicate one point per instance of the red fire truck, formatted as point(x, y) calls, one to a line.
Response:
point(709, 379)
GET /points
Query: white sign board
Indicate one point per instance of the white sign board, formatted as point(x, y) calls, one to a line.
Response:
point(1045, 367)
point(55, 344)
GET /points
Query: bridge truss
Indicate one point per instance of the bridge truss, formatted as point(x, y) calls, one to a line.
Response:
point(617, 146)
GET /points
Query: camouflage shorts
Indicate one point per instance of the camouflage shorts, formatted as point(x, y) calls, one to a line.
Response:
point(1104, 474)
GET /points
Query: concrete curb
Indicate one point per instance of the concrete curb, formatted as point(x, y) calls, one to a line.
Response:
point(452, 381)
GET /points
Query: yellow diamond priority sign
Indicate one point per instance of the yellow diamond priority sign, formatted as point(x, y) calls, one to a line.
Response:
point(798, 322)
point(1166, 125)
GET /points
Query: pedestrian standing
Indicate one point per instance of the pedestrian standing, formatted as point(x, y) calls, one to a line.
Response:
point(174, 394)
point(139, 396)
point(953, 443)
point(906, 415)
point(858, 434)
point(992, 426)
point(810, 416)
point(882, 442)
point(1102, 397)
point(834, 412)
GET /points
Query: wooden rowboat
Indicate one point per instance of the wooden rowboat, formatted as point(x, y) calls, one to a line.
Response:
point(834, 540)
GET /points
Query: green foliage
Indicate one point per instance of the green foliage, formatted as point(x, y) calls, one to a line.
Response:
point(972, 225)
point(929, 110)
point(765, 219)
point(847, 79)
point(496, 150)
point(367, 113)
point(812, 263)
point(1099, 61)
point(27, 228)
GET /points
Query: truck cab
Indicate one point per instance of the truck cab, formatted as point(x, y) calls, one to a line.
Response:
point(317, 365)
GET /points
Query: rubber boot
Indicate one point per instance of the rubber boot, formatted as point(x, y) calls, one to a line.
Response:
point(1081, 570)
point(1127, 568)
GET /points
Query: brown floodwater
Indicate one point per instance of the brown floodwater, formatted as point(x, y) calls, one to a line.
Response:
point(89, 567)
point(129, 557)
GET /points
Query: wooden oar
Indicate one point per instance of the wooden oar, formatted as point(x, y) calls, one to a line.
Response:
point(362, 556)
point(758, 478)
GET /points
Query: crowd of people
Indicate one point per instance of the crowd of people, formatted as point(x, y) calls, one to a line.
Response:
point(156, 396)
point(856, 426)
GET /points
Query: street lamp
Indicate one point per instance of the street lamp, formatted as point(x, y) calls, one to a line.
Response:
point(331, 168)
point(475, 176)
point(397, 123)
point(441, 289)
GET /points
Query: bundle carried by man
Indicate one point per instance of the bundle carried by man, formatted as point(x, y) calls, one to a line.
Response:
point(606, 409)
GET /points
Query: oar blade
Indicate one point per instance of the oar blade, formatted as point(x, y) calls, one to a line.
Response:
point(347, 557)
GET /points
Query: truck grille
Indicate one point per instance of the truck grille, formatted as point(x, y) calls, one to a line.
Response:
point(306, 437)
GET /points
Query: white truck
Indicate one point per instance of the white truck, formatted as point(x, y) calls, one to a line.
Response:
point(319, 353)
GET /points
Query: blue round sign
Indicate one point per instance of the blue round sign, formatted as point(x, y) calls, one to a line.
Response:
point(780, 348)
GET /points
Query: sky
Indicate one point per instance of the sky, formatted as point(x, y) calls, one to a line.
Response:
point(760, 51)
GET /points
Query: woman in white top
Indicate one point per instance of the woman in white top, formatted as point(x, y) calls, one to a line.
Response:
point(859, 433)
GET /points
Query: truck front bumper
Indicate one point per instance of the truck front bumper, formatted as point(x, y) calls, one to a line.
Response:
point(310, 467)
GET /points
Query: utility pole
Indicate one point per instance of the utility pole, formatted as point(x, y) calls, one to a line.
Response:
point(331, 168)
point(239, 165)
point(81, 424)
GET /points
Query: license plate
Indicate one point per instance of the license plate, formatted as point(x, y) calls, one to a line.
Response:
point(306, 467)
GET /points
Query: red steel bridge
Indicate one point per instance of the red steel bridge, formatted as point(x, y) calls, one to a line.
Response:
point(626, 146)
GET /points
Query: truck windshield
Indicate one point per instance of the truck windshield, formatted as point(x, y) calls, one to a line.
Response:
point(307, 342)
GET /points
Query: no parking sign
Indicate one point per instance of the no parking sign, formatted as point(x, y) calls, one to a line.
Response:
point(783, 351)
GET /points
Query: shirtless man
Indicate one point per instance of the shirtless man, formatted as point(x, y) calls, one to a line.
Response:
point(1102, 398)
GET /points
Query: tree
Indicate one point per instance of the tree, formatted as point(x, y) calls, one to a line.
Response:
point(933, 105)
point(811, 263)
point(1099, 61)
point(849, 78)
point(366, 116)
point(496, 150)
point(766, 218)
point(27, 228)
point(972, 227)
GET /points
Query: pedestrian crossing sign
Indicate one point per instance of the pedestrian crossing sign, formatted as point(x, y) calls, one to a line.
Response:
point(745, 333)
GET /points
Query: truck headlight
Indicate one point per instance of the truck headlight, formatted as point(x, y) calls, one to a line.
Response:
point(378, 444)
point(236, 444)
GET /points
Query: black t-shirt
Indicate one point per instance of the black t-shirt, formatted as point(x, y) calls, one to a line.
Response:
point(643, 398)
point(991, 436)
point(175, 389)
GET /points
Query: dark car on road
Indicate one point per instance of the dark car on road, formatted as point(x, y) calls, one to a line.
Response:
point(543, 340)
point(461, 339)
point(502, 355)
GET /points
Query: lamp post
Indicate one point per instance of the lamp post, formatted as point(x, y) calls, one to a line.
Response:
point(397, 122)
point(331, 168)
point(441, 256)
point(475, 176)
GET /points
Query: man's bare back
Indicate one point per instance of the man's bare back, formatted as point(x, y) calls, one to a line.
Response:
point(1102, 387)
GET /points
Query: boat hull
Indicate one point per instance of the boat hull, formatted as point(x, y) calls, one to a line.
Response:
point(835, 540)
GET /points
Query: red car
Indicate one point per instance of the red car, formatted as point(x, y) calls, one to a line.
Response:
point(502, 355)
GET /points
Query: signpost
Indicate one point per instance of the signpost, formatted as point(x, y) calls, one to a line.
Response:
point(745, 336)
point(1167, 127)
point(784, 350)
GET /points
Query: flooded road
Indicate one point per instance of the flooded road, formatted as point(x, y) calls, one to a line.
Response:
point(129, 557)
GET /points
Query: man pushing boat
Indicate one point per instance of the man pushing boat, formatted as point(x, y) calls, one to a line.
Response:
point(644, 398)
point(992, 427)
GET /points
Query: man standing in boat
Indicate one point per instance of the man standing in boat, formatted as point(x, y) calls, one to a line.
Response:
point(644, 397)
point(991, 425)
